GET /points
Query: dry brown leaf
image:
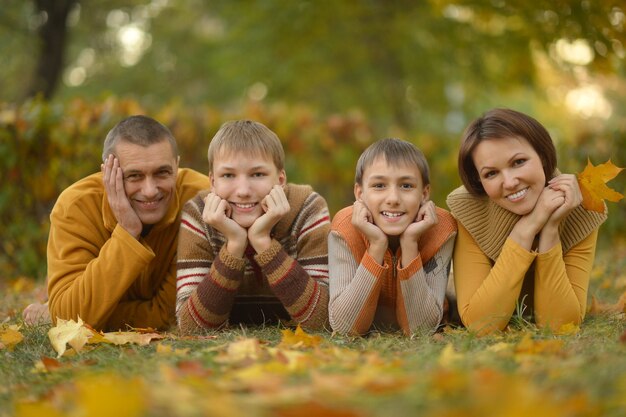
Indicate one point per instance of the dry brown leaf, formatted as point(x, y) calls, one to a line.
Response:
point(122, 338)
point(592, 182)
point(598, 307)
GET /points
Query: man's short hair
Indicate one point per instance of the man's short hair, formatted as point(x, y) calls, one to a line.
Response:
point(249, 138)
point(139, 130)
point(395, 152)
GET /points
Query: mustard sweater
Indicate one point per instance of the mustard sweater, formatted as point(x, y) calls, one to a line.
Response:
point(493, 274)
point(98, 271)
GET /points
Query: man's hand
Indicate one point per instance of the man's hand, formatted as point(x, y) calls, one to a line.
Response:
point(217, 214)
point(113, 179)
point(276, 206)
point(362, 220)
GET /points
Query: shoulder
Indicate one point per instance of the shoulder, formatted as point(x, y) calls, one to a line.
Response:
point(190, 182)
point(86, 192)
point(304, 201)
point(342, 218)
point(446, 222)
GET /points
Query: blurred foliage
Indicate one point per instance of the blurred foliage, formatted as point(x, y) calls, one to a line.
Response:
point(45, 147)
point(328, 77)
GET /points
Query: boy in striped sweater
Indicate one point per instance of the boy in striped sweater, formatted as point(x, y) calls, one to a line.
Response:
point(253, 248)
point(390, 252)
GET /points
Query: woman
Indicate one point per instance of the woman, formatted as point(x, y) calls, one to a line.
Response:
point(524, 242)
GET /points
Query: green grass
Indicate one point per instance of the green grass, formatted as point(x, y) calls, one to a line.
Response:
point(521, 372)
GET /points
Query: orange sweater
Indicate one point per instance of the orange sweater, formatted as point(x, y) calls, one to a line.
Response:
point(364, 293)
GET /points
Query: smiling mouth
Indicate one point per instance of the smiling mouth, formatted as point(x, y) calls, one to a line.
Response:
point(244, 206)
point(149, 204)
point(517, 195)
point(391, 215)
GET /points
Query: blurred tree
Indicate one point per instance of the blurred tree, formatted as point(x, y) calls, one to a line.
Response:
point(426, 65)
point(52, 37)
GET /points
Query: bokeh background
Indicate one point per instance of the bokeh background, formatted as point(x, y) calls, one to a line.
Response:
point(329, 77)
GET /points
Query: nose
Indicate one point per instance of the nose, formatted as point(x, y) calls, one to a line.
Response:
point(243, 188)
point(150, 188)
point(392, 196)
point(510, 180)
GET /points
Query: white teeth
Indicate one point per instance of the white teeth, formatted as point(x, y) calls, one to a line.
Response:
point(517, 194)
point(245, 206)
point(390, 214)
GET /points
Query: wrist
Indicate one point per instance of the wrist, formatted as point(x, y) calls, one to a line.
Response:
point(261, 243)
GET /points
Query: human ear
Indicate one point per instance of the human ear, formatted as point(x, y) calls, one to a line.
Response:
point(358, 191)
point(426, 193)
point(282, 177)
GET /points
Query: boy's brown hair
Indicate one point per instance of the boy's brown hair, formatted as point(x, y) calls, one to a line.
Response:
point(395, 151)
point(247, 137)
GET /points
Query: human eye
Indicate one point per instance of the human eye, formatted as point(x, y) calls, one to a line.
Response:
point(519, 161)
point(259, 174)
point(164, 173)
point(227, 175)
point(407, 186)
point(490, 174)
point(378, 185)
point(133, 177)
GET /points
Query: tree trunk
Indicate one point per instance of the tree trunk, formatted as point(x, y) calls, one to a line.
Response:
point(52, 44)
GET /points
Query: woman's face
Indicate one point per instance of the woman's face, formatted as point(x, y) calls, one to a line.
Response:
point(511, 173)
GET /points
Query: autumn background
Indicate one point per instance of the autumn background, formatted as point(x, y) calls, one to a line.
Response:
point(329, 78)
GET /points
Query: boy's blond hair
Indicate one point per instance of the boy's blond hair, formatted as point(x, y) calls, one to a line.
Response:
point(249, 138)
point(395, 152)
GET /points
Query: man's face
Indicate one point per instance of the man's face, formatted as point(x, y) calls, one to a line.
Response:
point(149, 178)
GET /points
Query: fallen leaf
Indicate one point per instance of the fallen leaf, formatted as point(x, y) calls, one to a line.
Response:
point(122, 338)
point(592, 182)
point(568, 329)
point(299, 338)
point(69, 332)
point(50, 364)
point(244, 350)
point(10, 336)
point(530, 346)
point(448, 356)
point(598, 307)
point(314, 409)
point(163, 349)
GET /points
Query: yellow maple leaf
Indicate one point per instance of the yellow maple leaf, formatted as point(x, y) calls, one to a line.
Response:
point(10, 336)
point(69, 332)
point(299, 338)
point(592, 182)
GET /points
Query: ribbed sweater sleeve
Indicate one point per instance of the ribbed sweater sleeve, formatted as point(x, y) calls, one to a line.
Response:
point(422, 289)
point(354, 289)
point(205, 284)
point(300, 282)
point(486, 294)
point(561, 283)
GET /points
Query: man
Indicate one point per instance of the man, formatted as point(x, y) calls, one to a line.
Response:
point(113, 235)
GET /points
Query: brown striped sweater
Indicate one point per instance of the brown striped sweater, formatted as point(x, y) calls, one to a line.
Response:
point(287, 281)
point(365, 294)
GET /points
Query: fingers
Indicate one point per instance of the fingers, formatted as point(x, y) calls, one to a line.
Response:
point(276, 201)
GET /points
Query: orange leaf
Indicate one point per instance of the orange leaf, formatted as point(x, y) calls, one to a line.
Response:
point(592, 182)
point(299, 338)
point(598, 307)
